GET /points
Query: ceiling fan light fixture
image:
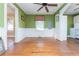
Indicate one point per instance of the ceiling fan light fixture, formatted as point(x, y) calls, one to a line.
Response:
point(45, 6)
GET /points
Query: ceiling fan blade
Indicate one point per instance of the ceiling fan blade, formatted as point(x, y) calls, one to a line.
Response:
point(38, 3)
point(46, 9)
point(52, 4)
point(40, 8)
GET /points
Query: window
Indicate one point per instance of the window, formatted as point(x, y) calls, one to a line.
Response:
point(40, 22)
point(40, 25)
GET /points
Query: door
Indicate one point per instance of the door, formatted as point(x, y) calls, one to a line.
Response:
point(10, 25)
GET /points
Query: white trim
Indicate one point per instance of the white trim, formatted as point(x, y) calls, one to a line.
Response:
point(4, 31)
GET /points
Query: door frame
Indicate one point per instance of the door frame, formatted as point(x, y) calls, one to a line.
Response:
point(5, 23)
point(13, 31)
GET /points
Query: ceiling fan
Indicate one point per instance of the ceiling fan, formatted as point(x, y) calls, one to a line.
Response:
point(44, 5)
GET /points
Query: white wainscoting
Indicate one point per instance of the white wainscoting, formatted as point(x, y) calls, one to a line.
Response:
point(31, 32)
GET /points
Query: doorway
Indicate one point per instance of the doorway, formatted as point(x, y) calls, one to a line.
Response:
point(10, 25)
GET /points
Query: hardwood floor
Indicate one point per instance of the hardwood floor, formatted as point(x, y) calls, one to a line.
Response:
point(44, 47)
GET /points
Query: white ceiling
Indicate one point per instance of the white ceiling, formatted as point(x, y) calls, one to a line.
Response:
point(73, 9)
point(30, 8)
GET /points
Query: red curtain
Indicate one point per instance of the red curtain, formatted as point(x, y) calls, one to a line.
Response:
point(39, 18)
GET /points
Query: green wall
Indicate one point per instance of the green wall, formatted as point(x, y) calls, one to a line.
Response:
point(70, 23)
point(1, 14)
point(29, 21)
point(50, 18)
point(22, 17)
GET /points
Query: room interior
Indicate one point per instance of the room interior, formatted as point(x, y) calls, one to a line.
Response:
point(45, 29)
